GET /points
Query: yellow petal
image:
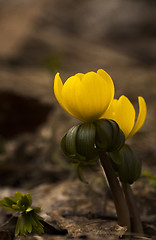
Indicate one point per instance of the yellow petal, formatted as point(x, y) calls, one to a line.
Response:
point(93, 96)
point(79, 75)
point(107, 78)
point(97, 94)
point(58, 86)
point(110, 113)
point(141, 116)
point(126, 115)
point(123, 112)
point(69, 96)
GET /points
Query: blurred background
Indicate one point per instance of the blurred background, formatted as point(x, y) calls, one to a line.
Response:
point(39, 38)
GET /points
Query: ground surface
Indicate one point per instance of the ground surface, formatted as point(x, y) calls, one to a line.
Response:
point(42, 37)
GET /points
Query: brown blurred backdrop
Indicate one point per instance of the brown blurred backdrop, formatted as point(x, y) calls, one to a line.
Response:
point(41, 37)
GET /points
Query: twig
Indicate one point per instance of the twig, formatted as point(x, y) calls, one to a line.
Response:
point(6, 222)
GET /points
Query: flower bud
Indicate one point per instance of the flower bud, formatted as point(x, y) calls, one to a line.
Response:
point(109, 136)
point(79, 144)
point(129, 169)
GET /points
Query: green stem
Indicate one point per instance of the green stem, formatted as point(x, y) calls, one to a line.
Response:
point(135, 218)
point(117, 193)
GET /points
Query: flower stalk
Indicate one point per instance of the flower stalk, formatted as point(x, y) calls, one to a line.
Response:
point(116, 190)
point(134, 215)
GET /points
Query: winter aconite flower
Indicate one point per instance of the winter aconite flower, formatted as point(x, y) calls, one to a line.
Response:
point(123, 112)
point(107, 122)
point(85, 96)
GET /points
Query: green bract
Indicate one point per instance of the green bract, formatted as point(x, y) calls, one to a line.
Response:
point(79, 144)
point(109, 136)
point(82, 142)
point(85, 141)
point(129, 168)
point(79, 147)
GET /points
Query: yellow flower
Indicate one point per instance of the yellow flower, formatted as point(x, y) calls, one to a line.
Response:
point(123, 112)
point(85, 96)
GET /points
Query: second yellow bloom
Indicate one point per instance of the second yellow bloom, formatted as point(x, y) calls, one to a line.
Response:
point(123, 112)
